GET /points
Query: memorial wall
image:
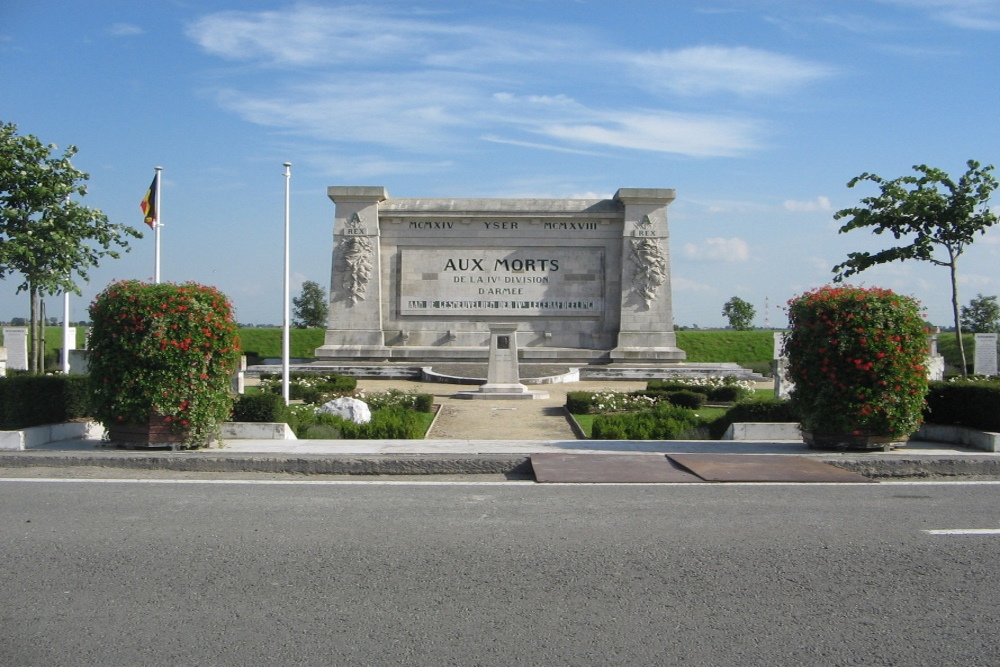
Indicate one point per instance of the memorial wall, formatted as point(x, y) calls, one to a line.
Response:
point(420, 280)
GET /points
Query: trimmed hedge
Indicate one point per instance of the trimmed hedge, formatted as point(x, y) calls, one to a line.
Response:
point(392, 423)
point(33, 400)
point(263, 406)
point(971, 403)
point(723, 394)
point(754, 410)
point(579, 402)
point(663, 422)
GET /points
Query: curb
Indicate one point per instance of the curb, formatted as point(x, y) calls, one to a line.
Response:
point(303, 464)
point(877, 467)
point(515, 466)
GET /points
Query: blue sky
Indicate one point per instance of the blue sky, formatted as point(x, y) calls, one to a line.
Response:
point(757, 112)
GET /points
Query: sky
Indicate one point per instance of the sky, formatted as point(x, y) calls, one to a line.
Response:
point(757, 112)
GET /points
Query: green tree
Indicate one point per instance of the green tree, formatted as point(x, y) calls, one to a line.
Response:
point(45, 236)
point(310, 307)
point(982, 315)
point(938, 215)
point(739, 313)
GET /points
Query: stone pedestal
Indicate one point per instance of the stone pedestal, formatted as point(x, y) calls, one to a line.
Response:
point(503, 380)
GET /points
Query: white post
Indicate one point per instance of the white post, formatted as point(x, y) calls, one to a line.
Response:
point(156, 226)
point(286, 319)
point(67, 343)
point(65, 331)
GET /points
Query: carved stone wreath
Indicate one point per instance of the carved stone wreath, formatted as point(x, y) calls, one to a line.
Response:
point(650, 268)
point(357, 254)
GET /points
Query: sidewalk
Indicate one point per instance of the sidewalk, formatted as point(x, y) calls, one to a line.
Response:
point(480, 437)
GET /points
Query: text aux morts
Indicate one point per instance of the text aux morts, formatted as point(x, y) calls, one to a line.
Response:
point(508, 266)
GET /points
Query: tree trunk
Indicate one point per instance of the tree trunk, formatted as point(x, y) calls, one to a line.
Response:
point(958, 321)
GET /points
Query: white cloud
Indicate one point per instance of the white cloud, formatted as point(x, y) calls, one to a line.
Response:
point(706, 70)
point(665, 132)
point(969, 14)
point(678, 284)
point(818, 204)
point(719, 250)
point(421, 83)
point(125, 30)
point(978, 281)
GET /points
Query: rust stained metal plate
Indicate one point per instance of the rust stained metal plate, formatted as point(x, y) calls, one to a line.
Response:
point(608, 468)
point(763, 468)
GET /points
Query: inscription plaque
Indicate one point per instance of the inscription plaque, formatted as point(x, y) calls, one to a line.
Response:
point(501, 281)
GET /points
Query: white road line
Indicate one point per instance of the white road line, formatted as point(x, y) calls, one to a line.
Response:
point(523, 482)
point(965, 531)
point(264, 482)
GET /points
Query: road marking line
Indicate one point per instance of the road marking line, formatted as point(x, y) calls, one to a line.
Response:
point(522, 482)
point(965, 531)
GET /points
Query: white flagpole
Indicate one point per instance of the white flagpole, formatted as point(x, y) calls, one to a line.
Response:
point(285, 325)
point(67, 343)
point(65, 331)
point(156, 227)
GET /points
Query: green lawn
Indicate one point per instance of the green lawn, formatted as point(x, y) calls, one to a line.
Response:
point(742, 347)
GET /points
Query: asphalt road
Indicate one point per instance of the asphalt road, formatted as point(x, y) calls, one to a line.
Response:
point(243, 573)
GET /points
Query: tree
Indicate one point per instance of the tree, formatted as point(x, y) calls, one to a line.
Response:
point(310, 309)
point(44, 235)
point(931, 210)
point(982, 315)
point(740, 314)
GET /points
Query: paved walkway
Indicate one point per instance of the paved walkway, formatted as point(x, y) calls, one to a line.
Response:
point(465, 419)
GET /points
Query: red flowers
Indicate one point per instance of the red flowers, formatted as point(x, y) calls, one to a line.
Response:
point(163, 349)
point(856, 357)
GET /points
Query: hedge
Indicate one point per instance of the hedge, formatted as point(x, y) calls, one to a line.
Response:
point(754, 410)
point(262, 406)
point(971, 403)
point(664, 422)
point(33, 400)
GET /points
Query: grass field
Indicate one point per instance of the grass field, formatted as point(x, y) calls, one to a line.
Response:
point(743, 347)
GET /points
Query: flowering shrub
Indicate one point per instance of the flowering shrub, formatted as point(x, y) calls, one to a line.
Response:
point(713, 383)
point(163, 350)
point(613, 401)
point(311, 387)
point(394, 398)
point(857, 359)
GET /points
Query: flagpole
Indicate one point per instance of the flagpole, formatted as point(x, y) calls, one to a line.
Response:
point(156, 228)
point(65, 331)
point(285, 341)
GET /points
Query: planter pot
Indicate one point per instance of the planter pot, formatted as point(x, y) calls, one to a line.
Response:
point(157, 432)
point(845, 441)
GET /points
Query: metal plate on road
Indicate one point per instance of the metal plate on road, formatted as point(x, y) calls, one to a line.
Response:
point(608, 468)
point(763, 468)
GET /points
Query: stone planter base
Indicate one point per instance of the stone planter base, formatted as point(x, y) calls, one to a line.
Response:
point(843, 442)
point(155, 433)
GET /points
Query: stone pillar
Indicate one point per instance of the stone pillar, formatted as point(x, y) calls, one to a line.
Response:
point(647, 322)
point(503, 378)
point(354, 327)
point(985, 359)
point(15, 339)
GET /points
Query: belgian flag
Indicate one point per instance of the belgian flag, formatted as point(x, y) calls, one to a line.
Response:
point(149, 204)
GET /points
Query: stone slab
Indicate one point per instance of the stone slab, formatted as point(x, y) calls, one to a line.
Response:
point(763, 431)
point(608, 468)
point(763, 468)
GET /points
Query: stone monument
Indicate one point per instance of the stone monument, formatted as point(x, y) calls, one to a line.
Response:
point(503, 380)
point(15, 339)
point(986, 354)
point(583, 281)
